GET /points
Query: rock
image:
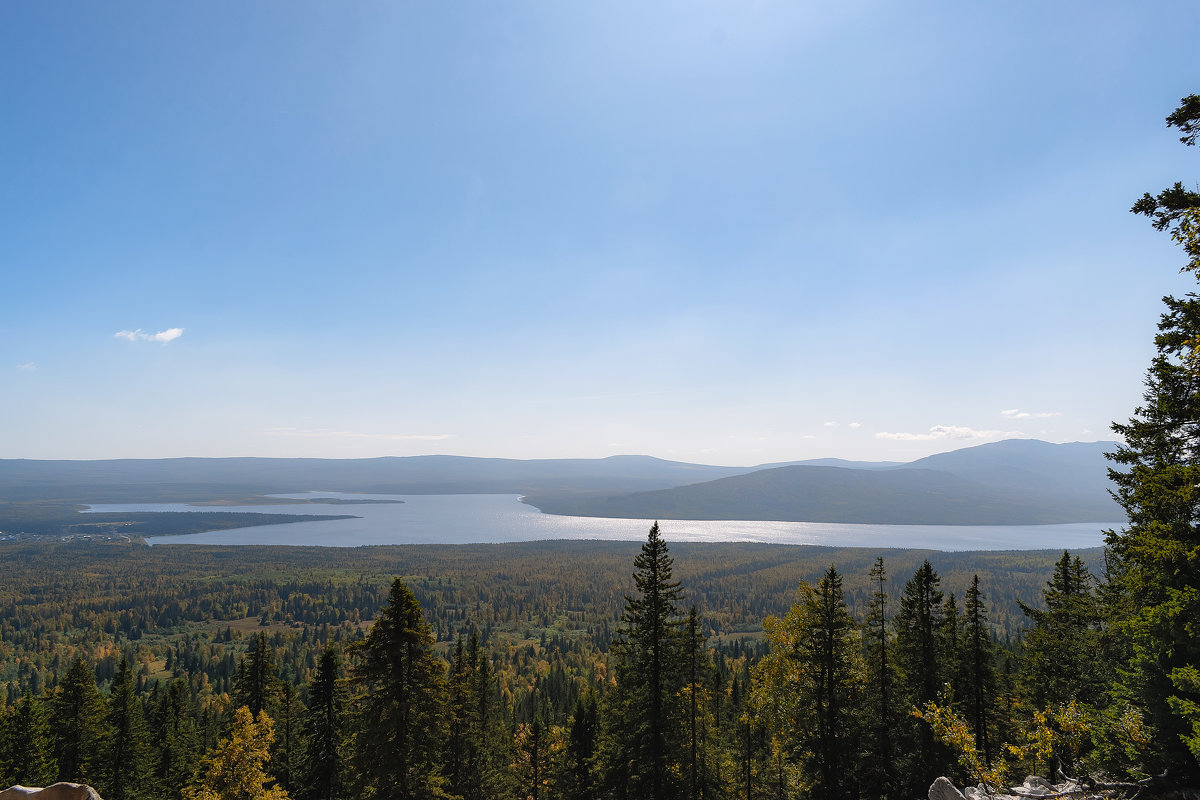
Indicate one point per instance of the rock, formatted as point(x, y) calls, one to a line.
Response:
point(56, 791)
point(943, 789)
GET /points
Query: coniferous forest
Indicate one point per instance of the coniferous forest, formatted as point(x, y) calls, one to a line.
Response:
point(608, 670)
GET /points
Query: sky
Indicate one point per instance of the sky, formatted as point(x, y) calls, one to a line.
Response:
point(729, 233)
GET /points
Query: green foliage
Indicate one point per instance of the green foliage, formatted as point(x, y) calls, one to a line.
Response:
point(642, 750)
point(326, 729)
point(1059, 663)
point(810, 688)
point(26, 753)
point(77, 719)
point(127, 753)
point(401, 731)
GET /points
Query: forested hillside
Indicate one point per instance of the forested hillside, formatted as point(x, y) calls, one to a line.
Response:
point(552, 669)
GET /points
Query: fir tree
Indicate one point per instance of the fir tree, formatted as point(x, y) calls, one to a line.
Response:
point(27, 756)
point(918, 624)
point(257, 685)
point(980, 659)
point(642, 747)
point(325, 729)
point(1060, 654)
point(812, 682)
point(77, 720)
point(126, 767)
point(879, 769)
point(403, 711)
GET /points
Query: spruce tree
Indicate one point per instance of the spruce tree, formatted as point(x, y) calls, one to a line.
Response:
point(1060, 660)
point(918, 624)
point(257, 685)
point(578, 781)
point(811, 687)
point(980, 659)
point(127, 757)
point(78, 725)
point(28, 757)
point(325, 729)
point(1154, 599)
point(642, 745)
point(176, 743)
point(879, 767)
point(401, 732)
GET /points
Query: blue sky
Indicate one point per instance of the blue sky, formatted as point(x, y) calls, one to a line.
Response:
point(722, 232)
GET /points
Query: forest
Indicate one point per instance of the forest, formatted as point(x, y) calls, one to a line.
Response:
point(124, 665)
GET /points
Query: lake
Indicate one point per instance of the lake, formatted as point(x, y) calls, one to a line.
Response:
point(487, 518)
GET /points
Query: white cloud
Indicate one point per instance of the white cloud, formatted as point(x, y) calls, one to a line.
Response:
point(28, 367)
point(951, 432)
point(1016, 413)
point(169, 335)
point(856, 425)
point(832, 424)
point(324, 433)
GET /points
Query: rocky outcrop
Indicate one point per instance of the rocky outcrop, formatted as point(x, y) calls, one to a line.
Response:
point(55, 791)
point(1040, 788)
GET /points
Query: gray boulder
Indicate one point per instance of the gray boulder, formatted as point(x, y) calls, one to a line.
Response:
point(943, 789)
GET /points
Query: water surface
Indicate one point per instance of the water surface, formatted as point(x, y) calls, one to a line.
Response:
point(489, 518)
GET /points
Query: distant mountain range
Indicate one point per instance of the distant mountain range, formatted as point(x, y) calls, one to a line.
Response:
point(1017, 482)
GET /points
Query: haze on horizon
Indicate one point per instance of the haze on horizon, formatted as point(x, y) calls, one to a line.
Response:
point(728, 234)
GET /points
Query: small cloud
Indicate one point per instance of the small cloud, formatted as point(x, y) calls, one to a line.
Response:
point(28, 367)
point(951, 432)
point(808, 436)
point(1016, 413)
point(169, 335)
point(832, 424)
point(856, 425)
point(324, 433)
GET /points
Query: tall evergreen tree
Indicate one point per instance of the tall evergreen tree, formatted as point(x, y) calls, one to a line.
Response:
point(578, 781)
point(1155, 597)
point(126, 757)
point(879, 776)
point(812, 686)
point(643, 748)
point(918, 624)
point(980, 659)
point(27, 755)
point(257, 685)
point(78, 724)
point(176, 743)
point(325, 729)
point(1060, 660)
point(403, 711)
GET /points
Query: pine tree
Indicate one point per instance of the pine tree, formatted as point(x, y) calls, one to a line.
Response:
point(77, 722)
point(126, 767)
point(641, 746)
point(325, 729)
point(403, 712)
